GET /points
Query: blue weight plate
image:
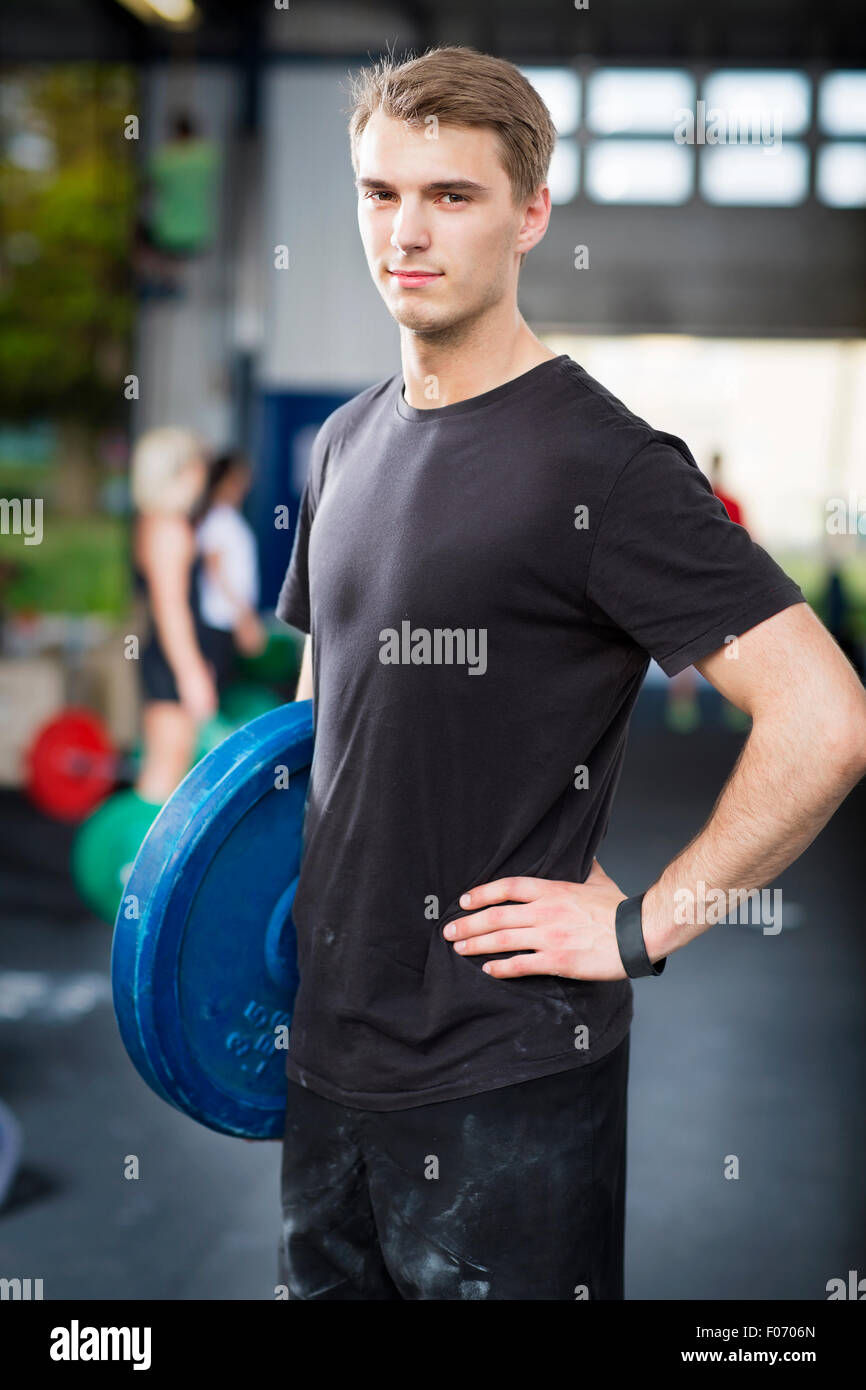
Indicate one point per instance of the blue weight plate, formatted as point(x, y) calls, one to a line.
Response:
point(203, 962)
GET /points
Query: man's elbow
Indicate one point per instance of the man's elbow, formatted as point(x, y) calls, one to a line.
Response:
point(841, 734)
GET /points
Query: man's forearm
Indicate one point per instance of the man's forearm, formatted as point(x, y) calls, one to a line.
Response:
point(785, 786)
point(304, 689)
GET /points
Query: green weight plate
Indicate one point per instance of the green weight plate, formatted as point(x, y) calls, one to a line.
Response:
point(105, 847)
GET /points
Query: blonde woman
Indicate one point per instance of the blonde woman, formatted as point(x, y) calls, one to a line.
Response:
point(169, 475)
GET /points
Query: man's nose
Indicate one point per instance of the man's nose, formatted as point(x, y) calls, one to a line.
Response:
point(409, 232)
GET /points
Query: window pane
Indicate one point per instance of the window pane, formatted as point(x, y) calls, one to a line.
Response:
point(842, 103)
point(564, 171)
point(756, 102)
point(639, 171)
point(559, 89)
point(631, 100)
point(840, 175)
point(777, 176)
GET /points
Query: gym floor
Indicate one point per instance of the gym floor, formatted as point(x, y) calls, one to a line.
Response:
point(751, 1046)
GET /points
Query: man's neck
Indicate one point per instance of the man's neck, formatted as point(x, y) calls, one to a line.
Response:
point(436, 374)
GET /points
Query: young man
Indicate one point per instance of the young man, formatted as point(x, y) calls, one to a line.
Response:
point(490, 547)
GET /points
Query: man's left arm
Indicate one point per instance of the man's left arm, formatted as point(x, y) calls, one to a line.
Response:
point(805, 751)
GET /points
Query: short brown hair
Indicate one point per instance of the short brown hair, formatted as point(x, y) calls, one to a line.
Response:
point(460, 86)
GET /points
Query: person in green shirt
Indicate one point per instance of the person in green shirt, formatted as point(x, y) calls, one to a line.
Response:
point(184, 180)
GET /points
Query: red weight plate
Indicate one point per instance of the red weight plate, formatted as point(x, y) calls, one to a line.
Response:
point(71, 765)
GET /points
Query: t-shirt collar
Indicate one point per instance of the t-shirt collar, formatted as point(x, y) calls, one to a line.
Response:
point(487, 398)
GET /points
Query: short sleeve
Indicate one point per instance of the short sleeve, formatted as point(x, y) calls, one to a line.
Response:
point(212, 533)
point(293, 603)
point(670, 568)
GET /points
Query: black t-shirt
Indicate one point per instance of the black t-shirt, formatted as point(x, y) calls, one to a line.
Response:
point(484, 583)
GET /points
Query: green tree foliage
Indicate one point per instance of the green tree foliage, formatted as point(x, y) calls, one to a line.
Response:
point(68, 191)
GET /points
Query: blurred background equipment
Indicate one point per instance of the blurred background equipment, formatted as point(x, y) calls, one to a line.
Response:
point(71, 765)
point(179, 251)
point(109, 839)
point(105, 847)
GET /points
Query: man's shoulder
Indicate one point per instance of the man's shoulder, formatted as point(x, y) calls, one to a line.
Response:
point(597, 402)
point(346, 417)
point(601, 425)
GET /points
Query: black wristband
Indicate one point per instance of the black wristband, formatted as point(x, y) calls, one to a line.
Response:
point(629, 938)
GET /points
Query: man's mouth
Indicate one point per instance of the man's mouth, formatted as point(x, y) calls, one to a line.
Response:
point(414, 277)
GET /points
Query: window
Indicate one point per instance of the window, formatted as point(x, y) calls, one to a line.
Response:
point(564, 176)
point(646, 138)
point(756, 102)
point(559, 89)
point(639, 171)
point(840, 175)
point(777, 176)
point(635, 101)
point(842, 103)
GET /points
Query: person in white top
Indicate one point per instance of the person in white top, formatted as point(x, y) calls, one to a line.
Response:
point(229, 576)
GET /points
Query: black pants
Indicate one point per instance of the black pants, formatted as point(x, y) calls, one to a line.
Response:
point(516, 1193)
point(157, 677)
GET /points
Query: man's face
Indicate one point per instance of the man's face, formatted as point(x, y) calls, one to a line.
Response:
point(441, 206)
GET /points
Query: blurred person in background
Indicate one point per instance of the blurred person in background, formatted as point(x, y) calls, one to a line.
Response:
point(229, 575)
point(179, 198)
point(183, 175)
point(840, 618)
point(682, 709)
point(179, 683)
point(730, 504)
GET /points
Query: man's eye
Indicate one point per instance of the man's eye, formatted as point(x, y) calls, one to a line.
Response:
point(376, 193)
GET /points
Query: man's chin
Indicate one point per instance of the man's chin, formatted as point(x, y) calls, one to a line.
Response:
point(418, 318)
point(419, 323)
